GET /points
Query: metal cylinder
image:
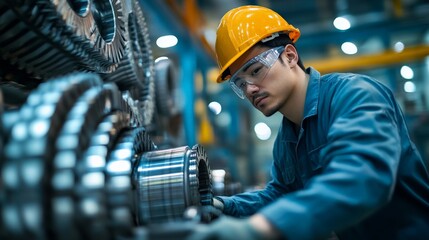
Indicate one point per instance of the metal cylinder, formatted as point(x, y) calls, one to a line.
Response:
point(169, 181)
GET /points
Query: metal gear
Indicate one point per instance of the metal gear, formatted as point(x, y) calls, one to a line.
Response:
point(130, 145)
point(90, 188)
point(29, 153)
point(57, 39)
point(2, 134)
point(135, 72)
point(77, 161)
point(99, 23)
point(129, 103)
point(71, 144)
point(165, 85)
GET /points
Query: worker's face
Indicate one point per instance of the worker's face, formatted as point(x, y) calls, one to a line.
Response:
point(271, 92)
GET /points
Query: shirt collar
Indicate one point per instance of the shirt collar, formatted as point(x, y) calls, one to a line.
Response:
point(310, 105)
point(312, 95)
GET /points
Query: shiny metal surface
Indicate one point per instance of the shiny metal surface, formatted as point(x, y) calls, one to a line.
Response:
point(168, 181)
point(29, 153)
point(74, 138)
point(136, 69)
point(91, 184)
point(61, 36)
point(2, 132)
point(76, 159)
point(165, 87)
point(118, 173)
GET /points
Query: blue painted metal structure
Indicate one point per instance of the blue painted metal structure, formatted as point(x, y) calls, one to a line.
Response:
point(191, 55)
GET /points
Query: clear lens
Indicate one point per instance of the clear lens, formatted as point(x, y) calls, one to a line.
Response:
point(254, 70)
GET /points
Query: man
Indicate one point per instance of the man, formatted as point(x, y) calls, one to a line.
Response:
point(344, 165)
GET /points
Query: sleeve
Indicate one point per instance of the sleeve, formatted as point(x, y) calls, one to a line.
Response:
point(248, 203)
point(362, 156)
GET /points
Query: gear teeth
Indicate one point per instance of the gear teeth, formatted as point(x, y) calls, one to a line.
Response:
point(29, 152)
point(58, 40)
point(119, 169)
point(136, 70)
point(76, 159)
point(74, 139)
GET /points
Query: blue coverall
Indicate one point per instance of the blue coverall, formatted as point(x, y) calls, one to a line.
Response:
point(351, 169)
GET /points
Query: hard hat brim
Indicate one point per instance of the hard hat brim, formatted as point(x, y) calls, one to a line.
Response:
point(293, 35)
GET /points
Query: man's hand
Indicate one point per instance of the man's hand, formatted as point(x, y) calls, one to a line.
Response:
point(226, 228)
point(229, 228)
point(218, 204)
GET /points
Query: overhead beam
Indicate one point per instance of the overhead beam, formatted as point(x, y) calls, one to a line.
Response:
point(169, 20)
point(370, 61)
point(318, 34)
point(193, 19)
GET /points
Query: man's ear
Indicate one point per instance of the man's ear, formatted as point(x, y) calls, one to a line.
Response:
point(291, 53)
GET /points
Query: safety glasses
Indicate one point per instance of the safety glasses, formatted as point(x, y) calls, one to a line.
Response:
point(254, 71)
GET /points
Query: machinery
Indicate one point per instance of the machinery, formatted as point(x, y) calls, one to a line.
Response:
point(77, 99)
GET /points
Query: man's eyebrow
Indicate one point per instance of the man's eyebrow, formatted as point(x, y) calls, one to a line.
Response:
point(248, 65)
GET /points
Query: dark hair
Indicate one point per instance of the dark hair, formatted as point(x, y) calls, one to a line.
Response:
point(281, 40)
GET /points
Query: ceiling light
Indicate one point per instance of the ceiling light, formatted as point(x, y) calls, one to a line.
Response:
point(223, 119)
point(349, 48)
point(215, 107)
point(341, 23)
point(166, 41)
point(409, 87)
point(407, 72)
point(262, 131)
point(398, 47)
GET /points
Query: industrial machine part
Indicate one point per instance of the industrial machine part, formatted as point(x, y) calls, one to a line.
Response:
point(30, 152)
point(165, 87)
point(77, 161)
point(2, 134)
point(168, 115)
point(136, 69)
point(177, 230)
point(223, 184)
point(51, 38)
point(169, 181)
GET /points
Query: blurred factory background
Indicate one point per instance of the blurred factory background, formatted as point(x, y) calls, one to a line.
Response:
point(386, 39)
point(111, 117)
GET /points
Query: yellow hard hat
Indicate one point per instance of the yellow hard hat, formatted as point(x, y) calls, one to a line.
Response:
point(243, 27)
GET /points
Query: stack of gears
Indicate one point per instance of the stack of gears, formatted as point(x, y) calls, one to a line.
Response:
point(77, 95)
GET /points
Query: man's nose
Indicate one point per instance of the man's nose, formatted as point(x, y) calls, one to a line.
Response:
point(251, 89)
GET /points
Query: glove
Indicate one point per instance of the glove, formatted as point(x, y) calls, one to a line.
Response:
point(218, 204)
point(227, 228)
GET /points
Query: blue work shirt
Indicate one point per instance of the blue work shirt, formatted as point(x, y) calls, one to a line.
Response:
point(351, 169)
